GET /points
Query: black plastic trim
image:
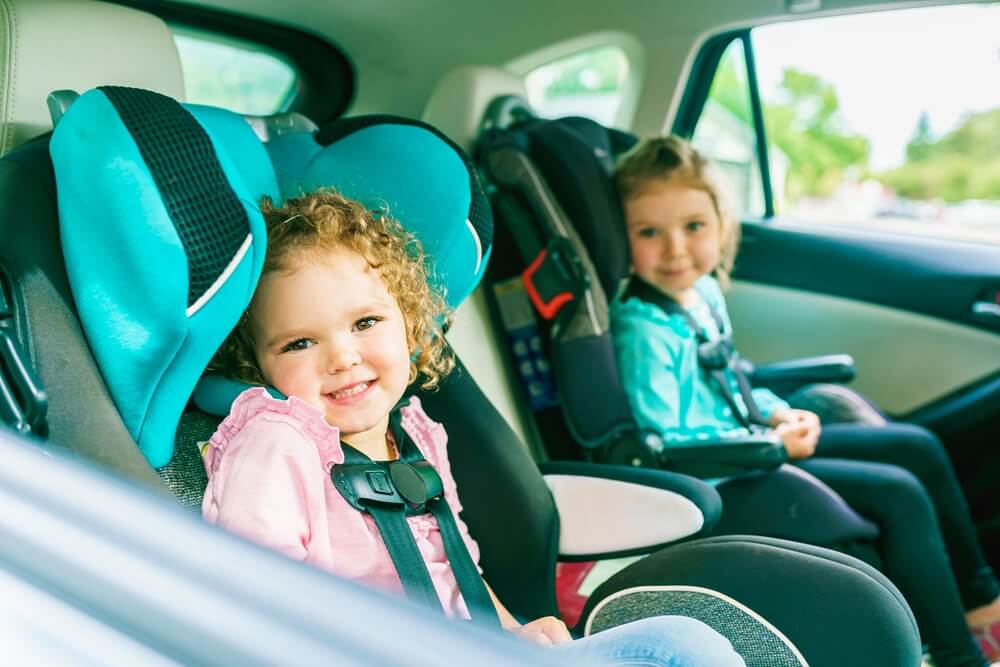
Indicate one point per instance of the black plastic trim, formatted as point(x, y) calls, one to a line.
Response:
point(760, 133)
point(326, 82)
point(699, 82)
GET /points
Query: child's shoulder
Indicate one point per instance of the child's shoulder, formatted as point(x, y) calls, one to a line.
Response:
point(635, 317)
point(259, 419)
point(429, 435)
point(710, 291)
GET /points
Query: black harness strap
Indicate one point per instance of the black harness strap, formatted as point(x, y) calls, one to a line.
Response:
point(392, 490)
point(714, 356)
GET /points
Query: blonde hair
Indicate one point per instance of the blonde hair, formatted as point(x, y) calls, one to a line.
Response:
point(670, 159)
point(313, 225)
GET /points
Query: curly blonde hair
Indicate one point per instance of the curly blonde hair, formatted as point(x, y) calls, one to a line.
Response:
point(670, 159)
point(313, 225)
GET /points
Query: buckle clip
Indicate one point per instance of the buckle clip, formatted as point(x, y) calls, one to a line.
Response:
point(554, 278)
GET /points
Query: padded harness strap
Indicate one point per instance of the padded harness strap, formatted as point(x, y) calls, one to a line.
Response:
point(392, 490)
point(714, 356)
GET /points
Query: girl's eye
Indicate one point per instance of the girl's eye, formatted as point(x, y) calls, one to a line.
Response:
point(298, 344)
point(366, 323)
point(647, 233)
point(695, 225)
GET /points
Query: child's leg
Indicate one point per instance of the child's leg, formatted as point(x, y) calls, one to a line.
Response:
point(918, 450)
point(659, 641)
point(912, 549)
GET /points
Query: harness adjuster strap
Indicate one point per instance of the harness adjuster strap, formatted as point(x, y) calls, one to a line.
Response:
point(554, 278)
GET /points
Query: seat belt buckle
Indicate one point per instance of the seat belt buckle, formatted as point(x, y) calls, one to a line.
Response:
point(554, 278)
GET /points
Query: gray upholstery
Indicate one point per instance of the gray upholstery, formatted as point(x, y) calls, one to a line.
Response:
point(759, 643)
point(82, 416)
point(185, 474)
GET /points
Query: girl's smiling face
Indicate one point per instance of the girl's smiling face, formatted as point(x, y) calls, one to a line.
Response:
point(675, 236)
point(329, 332)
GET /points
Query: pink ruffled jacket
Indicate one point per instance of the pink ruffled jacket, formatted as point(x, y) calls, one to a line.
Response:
point(268, 469)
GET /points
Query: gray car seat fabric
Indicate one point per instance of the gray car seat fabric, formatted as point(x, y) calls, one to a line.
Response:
point(752, 637)
point(81, 414)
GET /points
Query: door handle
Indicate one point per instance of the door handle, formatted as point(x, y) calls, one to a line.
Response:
point(986, 309)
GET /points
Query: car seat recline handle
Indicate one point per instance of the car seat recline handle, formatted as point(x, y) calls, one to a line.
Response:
point(23, 402)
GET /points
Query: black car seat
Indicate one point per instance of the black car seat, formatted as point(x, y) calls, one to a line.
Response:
point(487, 459)
point(550, 188)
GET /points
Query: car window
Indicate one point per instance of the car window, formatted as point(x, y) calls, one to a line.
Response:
point(588, 83)
point(725, 133)
point(239, 76)
point(885, 121)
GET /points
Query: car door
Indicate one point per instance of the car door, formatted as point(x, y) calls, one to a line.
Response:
point(866, 177)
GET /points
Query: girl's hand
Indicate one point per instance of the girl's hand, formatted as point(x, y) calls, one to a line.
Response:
point(545, 631)
point(799, 431)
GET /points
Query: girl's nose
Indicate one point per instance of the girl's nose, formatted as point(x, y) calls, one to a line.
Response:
point(674, 245)
point(342, 358)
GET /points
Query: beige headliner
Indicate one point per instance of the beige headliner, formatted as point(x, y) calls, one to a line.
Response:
point(401, 47)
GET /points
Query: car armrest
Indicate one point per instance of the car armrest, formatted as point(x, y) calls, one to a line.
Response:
point(709, 459)
point(607, 511)
point(835, 368)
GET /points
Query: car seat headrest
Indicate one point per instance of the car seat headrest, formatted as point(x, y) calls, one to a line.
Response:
point(401, 165)
point(163, 242)
point(411, 171)
point(460, 100)
point(76, 45)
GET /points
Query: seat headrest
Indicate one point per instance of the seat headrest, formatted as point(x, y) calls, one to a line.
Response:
point(163, 242)
point(405, 166)
point(76, 45)
point(412, 171)
point(460, 100)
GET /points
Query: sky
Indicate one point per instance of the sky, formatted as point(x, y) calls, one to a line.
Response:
point(888, 67)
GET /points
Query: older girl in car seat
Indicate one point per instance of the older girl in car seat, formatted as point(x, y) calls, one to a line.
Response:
point(683, 242)
point(342, 322)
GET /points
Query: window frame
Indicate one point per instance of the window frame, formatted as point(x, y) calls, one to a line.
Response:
point(698, 87)
point(325, 77)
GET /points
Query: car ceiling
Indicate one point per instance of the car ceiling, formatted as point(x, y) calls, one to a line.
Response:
point(401, 48)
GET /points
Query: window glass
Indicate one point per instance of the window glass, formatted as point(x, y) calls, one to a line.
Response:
point(887, 121)
point(725, 133)
point(237, 76)
point(588, 83)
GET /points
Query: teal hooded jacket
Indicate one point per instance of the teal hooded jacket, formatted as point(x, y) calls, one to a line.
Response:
point(658, 360)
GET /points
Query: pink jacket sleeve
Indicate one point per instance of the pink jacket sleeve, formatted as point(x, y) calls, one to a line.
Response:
point(269, 488)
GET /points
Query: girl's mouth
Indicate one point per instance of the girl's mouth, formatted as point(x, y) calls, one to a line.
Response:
point(351, 394)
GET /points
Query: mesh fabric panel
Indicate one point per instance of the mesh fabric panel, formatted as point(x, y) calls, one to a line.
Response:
point(185, 474)
point(209, 218)
point(754, 641)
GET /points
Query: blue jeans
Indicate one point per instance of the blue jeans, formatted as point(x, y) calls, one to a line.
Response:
point(659, 641)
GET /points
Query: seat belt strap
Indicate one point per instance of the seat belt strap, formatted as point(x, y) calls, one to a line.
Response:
point(470, 582)
point(392, 490)
point(406, 557)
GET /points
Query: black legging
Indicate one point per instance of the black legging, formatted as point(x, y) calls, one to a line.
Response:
point(900, 477)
